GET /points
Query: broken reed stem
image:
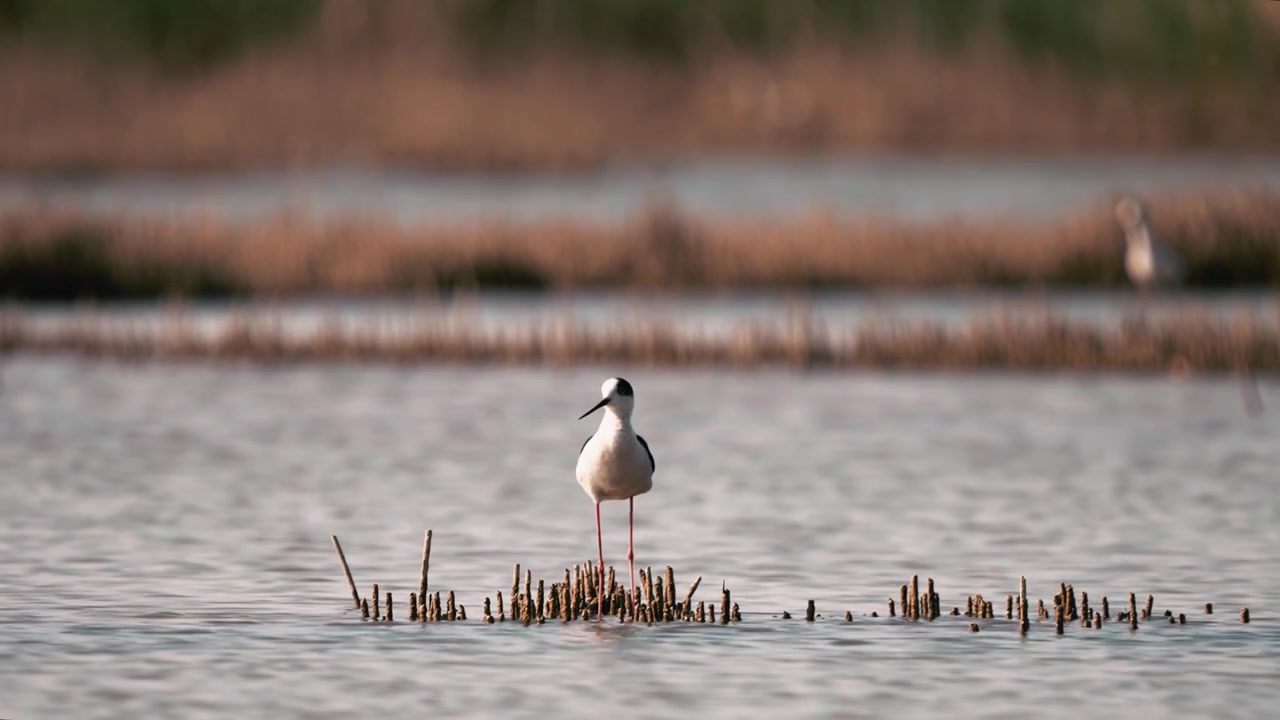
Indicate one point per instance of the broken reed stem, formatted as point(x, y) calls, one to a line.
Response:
point(1106, 609)
point(1244, 615)
point(502, 614)
point(364, 609)
point(355, 594)
point(810, 611)
point(688, 596)
point(724, 604)
point(528, 606)
point(1133, 612)
point(374, 595)
point(413, 607)
point(1146, 611)
point(515, 592)
point(426, 563)
point(913, 598)
point(389, 617)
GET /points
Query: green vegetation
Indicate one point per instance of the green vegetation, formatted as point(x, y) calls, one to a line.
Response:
point(1172, 38)
point(181, 33)
point(76, 265)
point(1177, 39)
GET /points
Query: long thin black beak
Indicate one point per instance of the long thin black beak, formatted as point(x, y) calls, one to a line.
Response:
point(599, 405)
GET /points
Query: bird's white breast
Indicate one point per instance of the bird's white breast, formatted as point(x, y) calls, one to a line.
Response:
point(1150, 261)
point(614, 466)
point(1138, 262)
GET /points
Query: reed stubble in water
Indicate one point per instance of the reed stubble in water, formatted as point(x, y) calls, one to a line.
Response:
point(660, 605)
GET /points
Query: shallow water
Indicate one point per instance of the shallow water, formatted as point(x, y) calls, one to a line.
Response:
point(165, 541)
point(902, 186)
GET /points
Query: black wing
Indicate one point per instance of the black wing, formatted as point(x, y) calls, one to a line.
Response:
point(584, 444)
point(652, 465)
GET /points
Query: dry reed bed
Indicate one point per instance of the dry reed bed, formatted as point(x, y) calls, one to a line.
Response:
point(1028, 342)
point(387, 85)
point(577, 596)
point(1228, 238)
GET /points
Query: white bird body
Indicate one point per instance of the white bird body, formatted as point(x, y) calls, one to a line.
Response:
point(614, 463)
point(1148, 261)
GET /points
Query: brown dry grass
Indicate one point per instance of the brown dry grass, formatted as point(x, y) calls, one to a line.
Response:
point(1227, 239)
point(1190, 343)
point(382, 87)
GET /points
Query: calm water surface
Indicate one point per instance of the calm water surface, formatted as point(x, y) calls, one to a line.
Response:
point(904, 186)
point(164, 535)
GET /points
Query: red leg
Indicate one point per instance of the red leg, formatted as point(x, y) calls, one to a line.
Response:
point(600, 550)
point(631, 552)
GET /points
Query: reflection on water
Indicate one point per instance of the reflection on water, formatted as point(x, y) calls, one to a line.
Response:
point(910, 187)
point(165, 541)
